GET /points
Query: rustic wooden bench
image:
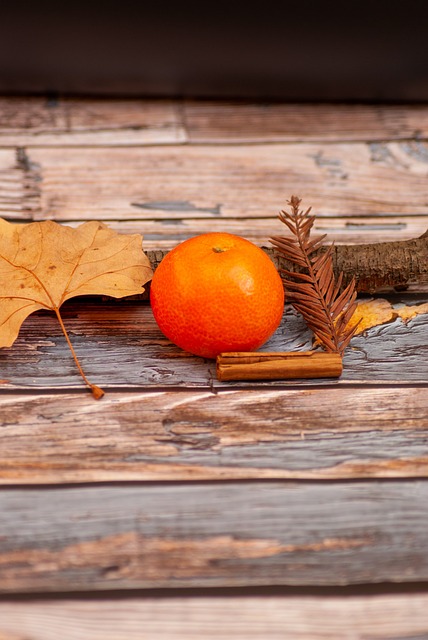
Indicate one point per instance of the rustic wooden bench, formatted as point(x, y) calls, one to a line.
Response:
point(179, 506)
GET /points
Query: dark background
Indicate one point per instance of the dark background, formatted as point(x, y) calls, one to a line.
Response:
point(370, 51)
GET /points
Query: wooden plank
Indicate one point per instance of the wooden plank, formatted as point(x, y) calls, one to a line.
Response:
point(19, 188)
point(222, 534)
point(164, 182)
point(165, 234)
point(37, 121)
point(120, 345)
point(54, 121)
point(201, 435)
point(244, 122)
point(380, 617)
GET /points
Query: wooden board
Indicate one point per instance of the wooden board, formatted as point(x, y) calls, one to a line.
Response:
point(202, 435)
point(205, 535)
point(242, 122)
point(250, 181)
point(179, 506)
point(39, 121)
point(166, 234)
point(19, 191)
point(375, 617)
point(121, 346)
point(56, 121)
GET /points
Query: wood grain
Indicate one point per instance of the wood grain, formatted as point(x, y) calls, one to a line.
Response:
point(19, 188)
point(294, 484)
point(121, 346)
point(375, 617)
point(239, 122)
point(222, 534)
point(175, 182)
point(201, 435)
point(37, 121)
point(166, 234)
point(55, 121)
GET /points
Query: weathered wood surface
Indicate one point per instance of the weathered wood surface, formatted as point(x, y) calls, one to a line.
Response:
point(40, 121)
point(342, 433)
point(300, 484)
point(19, 191)
point(121, 346)
point(174, 182)
point(229, 181)
point(375, 617)
point(165, 234)
point(229, 122)
point(222, 534)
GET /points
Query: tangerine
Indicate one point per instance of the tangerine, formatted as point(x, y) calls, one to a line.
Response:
point(217, 292)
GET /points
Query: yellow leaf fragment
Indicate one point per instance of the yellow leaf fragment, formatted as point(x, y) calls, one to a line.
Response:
point(371, 313)
point(407, 313)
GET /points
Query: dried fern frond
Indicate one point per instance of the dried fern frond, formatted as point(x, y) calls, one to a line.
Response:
point(312, 288)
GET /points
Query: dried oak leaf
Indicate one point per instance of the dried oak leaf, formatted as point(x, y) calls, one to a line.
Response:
point(43, 264)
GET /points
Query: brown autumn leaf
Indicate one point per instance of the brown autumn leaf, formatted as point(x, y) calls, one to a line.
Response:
point(43, 264)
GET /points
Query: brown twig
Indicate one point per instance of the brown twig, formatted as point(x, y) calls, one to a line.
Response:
point(376, 266)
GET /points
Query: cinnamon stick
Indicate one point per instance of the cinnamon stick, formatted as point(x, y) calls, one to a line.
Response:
point(243, 365)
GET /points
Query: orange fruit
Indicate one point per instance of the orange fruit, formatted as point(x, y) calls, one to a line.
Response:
point(217, 292)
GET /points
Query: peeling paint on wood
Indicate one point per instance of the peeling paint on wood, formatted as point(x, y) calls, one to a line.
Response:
point(182, 206)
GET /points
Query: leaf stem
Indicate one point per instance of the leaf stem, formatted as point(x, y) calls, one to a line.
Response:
point(96, 391)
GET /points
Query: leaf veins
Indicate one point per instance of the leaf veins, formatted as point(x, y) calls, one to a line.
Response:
point(43, 264)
